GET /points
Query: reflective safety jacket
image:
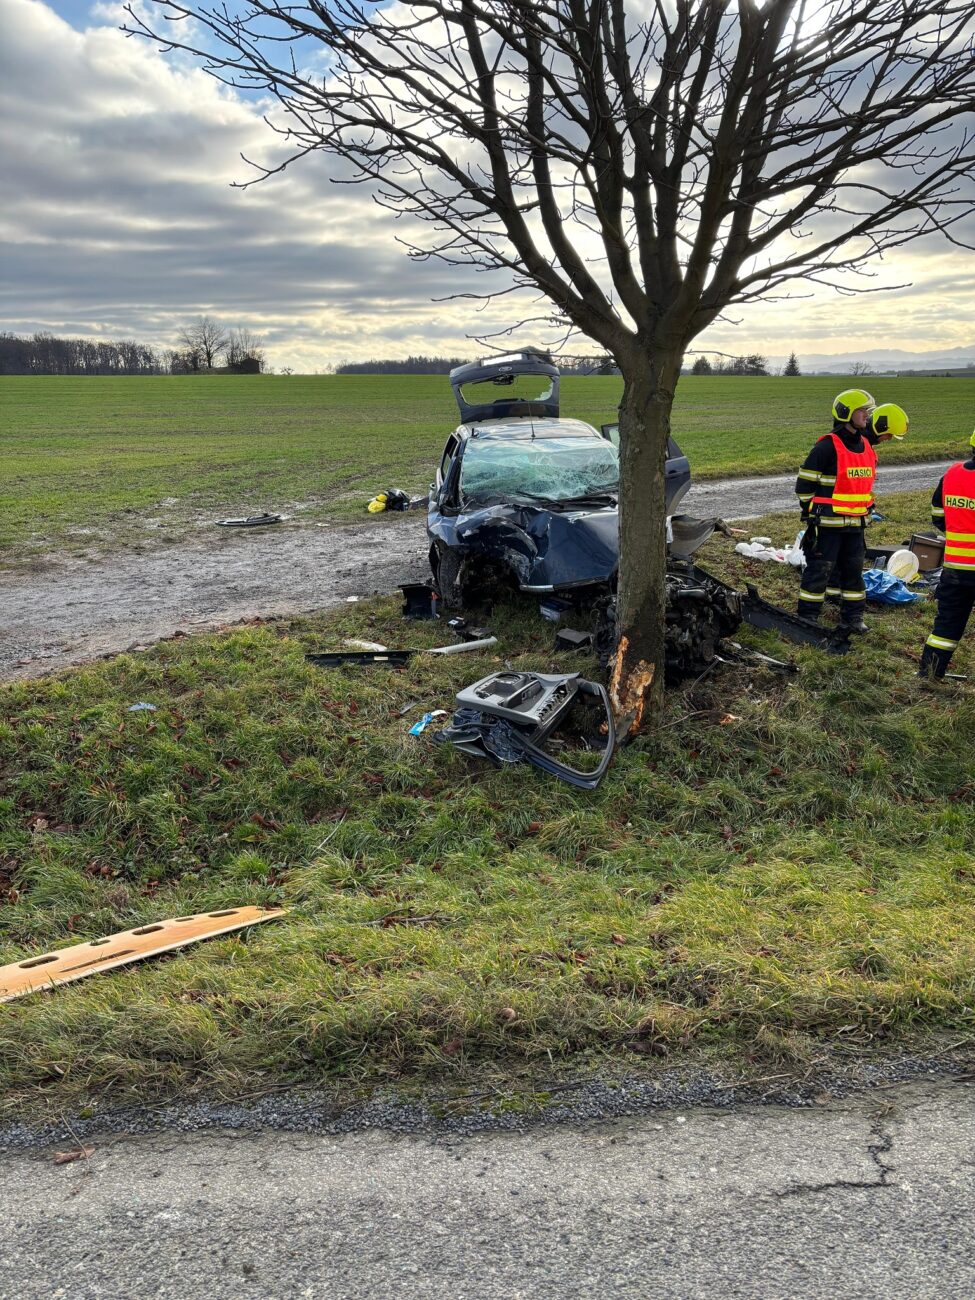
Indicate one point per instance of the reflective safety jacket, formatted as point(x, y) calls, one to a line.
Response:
point(852, 495)
point(958, 499)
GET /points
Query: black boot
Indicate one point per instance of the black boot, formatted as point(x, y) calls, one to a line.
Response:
point(934, 664)
point(854, 624)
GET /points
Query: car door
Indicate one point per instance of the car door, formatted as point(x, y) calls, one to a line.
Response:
point(677, 470)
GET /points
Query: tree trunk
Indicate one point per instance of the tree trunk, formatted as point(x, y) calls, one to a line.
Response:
point(637, 680)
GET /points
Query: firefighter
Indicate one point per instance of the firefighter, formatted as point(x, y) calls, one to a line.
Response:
point(885, 422)
point(835, 490)
point(953, 511)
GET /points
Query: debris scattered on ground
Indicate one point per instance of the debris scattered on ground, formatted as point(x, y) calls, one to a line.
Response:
point(568, 638)
point(82, 959)
point(463, 647)
point(360, 658)
point(419, 600)
point(390, 658)
point(466, 631)
point(251, 521)
point(391, 499)
point(761, 548)
point(554, 608)
point(760, 613)
point(69, 1157)
point(141, 707)
point(507, 717)
point(425, 721)
point(355, 644)
point(743, 655)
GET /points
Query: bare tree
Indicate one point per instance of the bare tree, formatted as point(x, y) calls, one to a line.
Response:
point(860, 368)
point(243, 346)
point(204, 340)
point(641, 166)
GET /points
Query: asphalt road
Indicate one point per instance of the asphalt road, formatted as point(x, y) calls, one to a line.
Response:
point(868, 1198)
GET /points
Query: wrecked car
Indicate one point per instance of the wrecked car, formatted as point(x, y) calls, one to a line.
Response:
point(524, 496)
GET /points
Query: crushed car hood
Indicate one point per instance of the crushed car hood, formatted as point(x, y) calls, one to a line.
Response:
point(548, 550)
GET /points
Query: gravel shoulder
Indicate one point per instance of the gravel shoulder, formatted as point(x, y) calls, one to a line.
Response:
point(62, 611)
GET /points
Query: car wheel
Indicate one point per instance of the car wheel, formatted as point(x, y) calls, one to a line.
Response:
point(449, 566)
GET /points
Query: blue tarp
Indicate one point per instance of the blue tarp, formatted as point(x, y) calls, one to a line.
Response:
point(885, 589)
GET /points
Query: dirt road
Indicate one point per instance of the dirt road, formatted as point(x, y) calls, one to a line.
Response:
point(67, 611)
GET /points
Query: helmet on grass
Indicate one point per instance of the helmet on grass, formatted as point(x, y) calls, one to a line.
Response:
point(850, 400)
point(891, 419)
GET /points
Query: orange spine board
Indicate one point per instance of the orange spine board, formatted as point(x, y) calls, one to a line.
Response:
point(74, 963)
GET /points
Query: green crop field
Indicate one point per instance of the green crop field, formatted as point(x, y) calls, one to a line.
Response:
point(115, 462)
point(781, 874)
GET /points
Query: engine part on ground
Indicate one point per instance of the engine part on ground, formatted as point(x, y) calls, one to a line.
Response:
point(420, 600)
point(251, 521)
point(567, 638)
point(702, 611)
point(82, 959)
point(507, 717)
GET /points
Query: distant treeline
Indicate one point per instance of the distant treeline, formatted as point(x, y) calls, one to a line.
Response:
point(411, 366)
point(443, 365)
point(43, 354)
point(204, 344)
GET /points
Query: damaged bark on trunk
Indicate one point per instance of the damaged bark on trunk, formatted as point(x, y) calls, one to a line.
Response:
point(637, 679)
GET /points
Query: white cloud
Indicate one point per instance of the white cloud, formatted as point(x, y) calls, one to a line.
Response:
point(119, 218)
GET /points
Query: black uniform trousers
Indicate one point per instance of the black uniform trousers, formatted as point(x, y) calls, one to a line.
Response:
point(956, 599)
point(826, 549)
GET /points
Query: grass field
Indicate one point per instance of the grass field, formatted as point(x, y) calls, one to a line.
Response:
point(784, 869)
point(128, 462)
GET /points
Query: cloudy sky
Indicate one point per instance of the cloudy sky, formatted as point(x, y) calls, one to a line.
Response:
point(119, 220)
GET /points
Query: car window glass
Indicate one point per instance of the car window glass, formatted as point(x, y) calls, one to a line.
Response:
point(508, 388)
point(559, 468)
point(448, 455)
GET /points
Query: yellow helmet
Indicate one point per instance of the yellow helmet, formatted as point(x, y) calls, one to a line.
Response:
point(971, 441)
point(850, 400)
point(891, 419)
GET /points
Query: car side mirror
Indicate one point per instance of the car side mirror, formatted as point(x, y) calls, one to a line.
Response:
point(611, 432)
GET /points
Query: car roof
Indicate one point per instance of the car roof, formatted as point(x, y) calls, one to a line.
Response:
point(525, 427)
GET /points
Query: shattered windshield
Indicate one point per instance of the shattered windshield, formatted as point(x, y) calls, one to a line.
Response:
point(539, 470)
